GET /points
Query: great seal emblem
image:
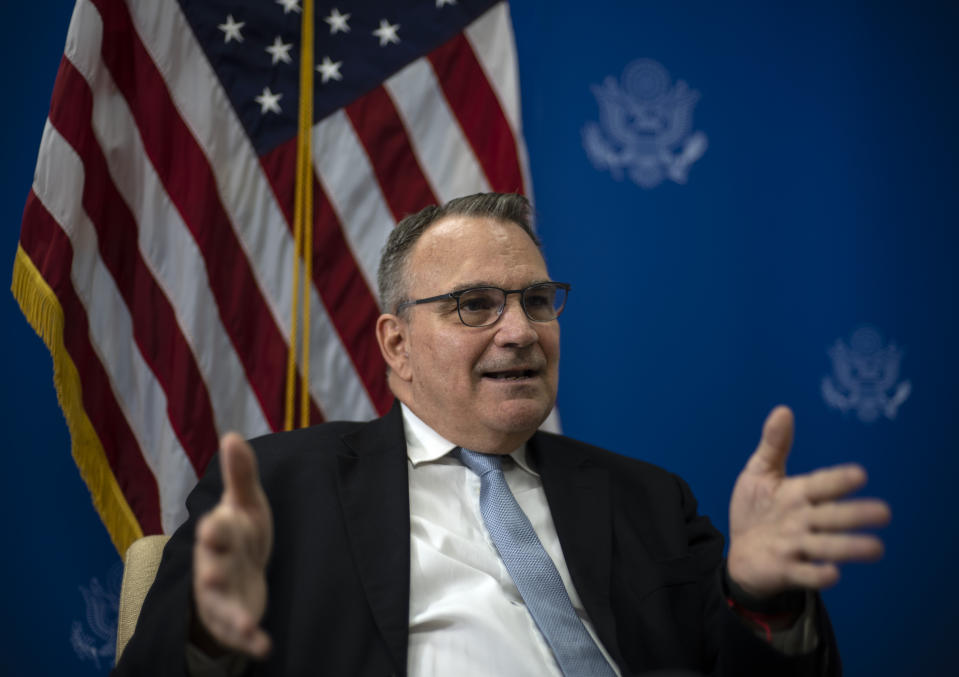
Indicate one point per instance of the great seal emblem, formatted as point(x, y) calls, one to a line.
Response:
point(865, 377)
point(645, 126)
point(96, 639)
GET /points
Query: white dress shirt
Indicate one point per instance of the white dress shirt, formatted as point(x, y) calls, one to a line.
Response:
point(466, 616)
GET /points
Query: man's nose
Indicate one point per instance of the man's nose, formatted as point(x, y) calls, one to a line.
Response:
point(514, 327)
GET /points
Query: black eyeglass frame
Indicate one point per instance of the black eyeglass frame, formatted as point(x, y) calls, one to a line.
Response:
point(499, 313)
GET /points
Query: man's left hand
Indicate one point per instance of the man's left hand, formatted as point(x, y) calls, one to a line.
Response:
point(790, 532)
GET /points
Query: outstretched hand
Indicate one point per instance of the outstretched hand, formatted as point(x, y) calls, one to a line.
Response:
point(790, 532)
point(233, 544)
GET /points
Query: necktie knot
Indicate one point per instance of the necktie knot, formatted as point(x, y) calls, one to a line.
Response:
point(480, 463)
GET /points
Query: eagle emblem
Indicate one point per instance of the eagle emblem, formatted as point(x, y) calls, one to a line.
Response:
point(865, 377)
point(645, 126)
point(96, 639)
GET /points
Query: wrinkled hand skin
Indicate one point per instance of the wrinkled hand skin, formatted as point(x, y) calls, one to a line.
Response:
point(232, 548)
point(792, 532)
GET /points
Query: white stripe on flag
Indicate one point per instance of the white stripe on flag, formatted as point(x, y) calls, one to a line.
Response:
point(493, 43)
point(491, 37)
point(58, 184)
point(347, 177)
point(435, 134)
point(248, 200)
point(169, 250)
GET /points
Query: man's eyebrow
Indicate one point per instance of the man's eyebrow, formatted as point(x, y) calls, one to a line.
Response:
point(485, 283)
point(462, 286)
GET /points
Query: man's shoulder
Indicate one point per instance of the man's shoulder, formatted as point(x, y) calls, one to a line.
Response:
point(640, 492)
point(284, 458)
point(305, 438)
point(575, 452)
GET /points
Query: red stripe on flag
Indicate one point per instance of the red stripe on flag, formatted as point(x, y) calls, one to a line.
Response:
point(387, 145)
point(474, 103)
point(350, 304)
point(190, 182)
point(348, 298)
point(52, 253)
point(155, 326)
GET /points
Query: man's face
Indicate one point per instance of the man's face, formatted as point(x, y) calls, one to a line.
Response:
point(489, 387)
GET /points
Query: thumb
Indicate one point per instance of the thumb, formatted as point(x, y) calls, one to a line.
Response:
point(776, 441)
point(241, 480)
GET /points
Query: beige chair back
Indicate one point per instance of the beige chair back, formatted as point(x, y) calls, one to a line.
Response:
point(140, 566)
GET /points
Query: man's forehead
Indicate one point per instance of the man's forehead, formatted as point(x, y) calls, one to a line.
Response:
point(463, 226)
point(465, 232)
point(463, 249)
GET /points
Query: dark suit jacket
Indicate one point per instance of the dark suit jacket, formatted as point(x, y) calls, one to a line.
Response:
point(647, 567)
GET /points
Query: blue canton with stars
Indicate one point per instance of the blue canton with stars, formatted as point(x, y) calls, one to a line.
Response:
point(253, 45)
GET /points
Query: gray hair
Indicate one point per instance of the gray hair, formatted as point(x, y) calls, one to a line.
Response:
point(393, 277)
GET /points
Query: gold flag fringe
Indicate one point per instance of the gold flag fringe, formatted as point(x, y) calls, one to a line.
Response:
point(43, 311)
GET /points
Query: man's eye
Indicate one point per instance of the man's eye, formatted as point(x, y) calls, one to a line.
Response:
point(538, 300)
point(477, 303)
point(540, 297)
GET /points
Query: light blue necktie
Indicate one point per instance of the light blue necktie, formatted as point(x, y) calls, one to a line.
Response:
point(533, 571)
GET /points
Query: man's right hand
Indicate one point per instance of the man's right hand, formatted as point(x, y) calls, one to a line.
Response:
point(233, 544)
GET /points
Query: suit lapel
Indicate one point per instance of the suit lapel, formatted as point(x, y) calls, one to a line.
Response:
point(375, 497)
point(374, 493)
point(577, 491)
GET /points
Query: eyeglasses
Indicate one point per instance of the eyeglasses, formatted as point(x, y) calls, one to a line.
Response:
point(483, 306)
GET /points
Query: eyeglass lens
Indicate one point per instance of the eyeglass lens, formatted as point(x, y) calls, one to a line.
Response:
point(483, 305)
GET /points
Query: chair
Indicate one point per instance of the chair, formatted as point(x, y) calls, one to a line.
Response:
point(140, 566)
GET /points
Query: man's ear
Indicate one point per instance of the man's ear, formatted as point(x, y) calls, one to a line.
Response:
point(392, 333)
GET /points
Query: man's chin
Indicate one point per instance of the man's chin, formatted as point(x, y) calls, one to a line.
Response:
point(518, 416)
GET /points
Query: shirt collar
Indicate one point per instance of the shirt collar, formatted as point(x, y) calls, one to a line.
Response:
point(425, 445)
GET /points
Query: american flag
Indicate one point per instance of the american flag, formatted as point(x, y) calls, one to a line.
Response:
point(157, 240)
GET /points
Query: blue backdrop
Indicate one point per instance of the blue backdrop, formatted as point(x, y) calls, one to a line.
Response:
point(811, 246)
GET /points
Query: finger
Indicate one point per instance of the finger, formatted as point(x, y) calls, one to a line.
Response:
point(216, 531)
point(829, 484)
point(226, 620)
point(241, 481)
point(231, 624)
point(221, 544)
point(841, 547)
point(849, 515)
point(811, 575)
point(258, 643)
point(212, 559)
point(775, 443)
point(214, 571)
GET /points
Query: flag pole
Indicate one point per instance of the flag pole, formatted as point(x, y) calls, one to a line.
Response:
point(302, 229)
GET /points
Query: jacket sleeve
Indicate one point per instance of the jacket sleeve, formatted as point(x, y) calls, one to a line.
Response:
point(735, 648)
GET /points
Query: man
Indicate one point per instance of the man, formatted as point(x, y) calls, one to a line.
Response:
point(390, 547)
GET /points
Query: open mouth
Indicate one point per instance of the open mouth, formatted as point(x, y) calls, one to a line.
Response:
point(511, 374)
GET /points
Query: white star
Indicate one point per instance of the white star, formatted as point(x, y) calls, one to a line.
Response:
point(387, 33)
point(231, 29)
point(280, 51)
point(337, 22)
point(330, 70)
point(289, 5)
point(441, 3)
point(269, 102)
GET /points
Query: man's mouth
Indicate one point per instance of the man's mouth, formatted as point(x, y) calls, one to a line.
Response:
point(511, 374)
